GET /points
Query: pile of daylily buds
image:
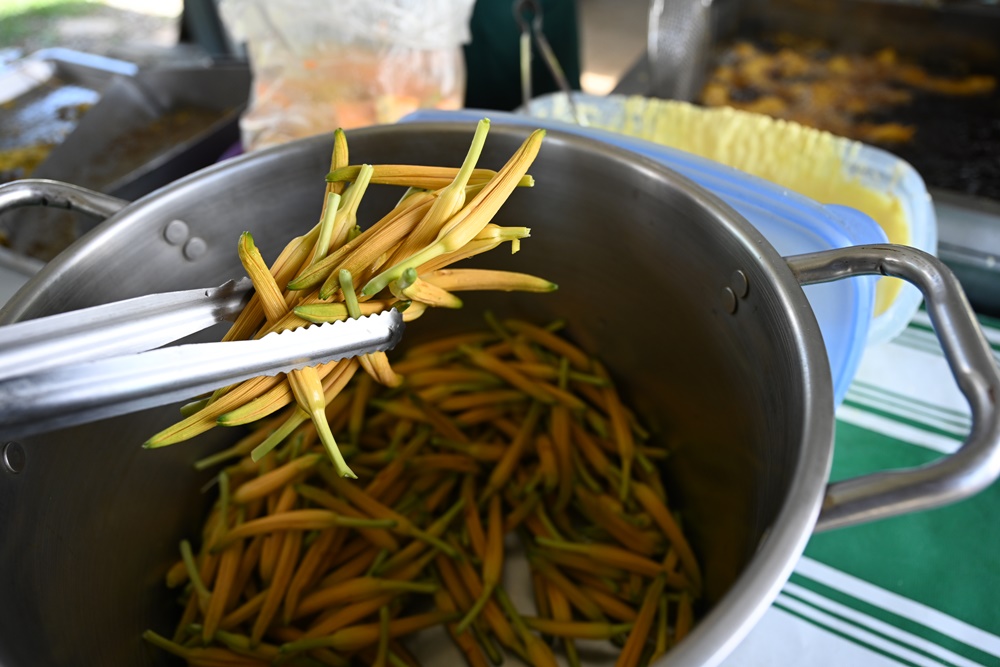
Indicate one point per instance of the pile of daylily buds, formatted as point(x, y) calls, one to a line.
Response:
point(363, 507)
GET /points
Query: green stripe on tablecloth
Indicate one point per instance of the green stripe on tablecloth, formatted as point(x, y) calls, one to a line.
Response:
point(899, 646)
point(868, 389)
point(919, 341)
point(924, 341)
point(895, 415)
point(843, 635)
point(958, 427)
point(954, 569)
point(986, 322)
point(920, 336)
point(902, 623)
point(992, 325)
point(922, 326)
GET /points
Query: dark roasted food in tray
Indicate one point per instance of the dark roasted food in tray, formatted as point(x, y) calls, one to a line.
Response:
point(941, 118)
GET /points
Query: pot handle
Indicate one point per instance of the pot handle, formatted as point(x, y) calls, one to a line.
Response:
point(976, 464)
point(54, 194)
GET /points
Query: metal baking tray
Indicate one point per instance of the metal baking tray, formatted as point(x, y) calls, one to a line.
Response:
point(153, 128)
point(968, 225)
point(43, 97)
point(145, 132)
point(969, 243)
point(957, 138)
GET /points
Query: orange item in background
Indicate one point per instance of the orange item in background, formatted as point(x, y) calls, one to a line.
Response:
point(319, 66)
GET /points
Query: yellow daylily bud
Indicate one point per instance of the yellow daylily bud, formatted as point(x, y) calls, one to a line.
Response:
point(308, 390)
point(267, 289)
point(461, 280)
point(417, 176)
point(470, 220)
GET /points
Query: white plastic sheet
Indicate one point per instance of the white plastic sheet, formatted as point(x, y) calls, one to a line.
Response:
point(319, 65)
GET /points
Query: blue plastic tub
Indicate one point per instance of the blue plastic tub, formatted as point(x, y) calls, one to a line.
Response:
point(792, 223)
point(872, 168)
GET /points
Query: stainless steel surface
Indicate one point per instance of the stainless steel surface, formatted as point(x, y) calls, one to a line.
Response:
point(86, 69)
point(80, 393)
point(115, 329)
point(678, 47)
point(976, 464)
point(13, 459)
point(761, 470)
point(739, 284)
point(54, 194)
point(176, 232)
point(195, 248)
point(970, 245)
point(12, 280)
point(748, 486)
point(636, 79)
point(41, 192)
point(729, 302)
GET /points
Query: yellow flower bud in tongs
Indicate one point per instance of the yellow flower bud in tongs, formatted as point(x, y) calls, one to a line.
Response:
point(336, 311)
point(347, 214)
point(486, 240)
point(367, 247)
point(418, 176)
point(450, 201)
point(465, 225)
point(375, 364)
point(266, 288)
point(326, 224)
point(462, 280)
point(333, 383)
point(308, 390)
point(296, 254)
point(411, 309)
point(410, 287)
point(340, 158)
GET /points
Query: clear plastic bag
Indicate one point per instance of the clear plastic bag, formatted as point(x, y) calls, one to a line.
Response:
point(319, 65)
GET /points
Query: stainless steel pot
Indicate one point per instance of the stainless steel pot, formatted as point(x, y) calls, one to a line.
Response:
point(705, 324)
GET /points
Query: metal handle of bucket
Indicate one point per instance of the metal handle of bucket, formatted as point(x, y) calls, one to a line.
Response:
point(976, 464)
point(54, 194)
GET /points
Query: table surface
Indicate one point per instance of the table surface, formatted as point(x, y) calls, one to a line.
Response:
point(913, 590)
point(918, 590)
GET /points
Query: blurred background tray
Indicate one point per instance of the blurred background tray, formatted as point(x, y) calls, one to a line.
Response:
point(144, 132)
point(42, 99)
point(153, 128)
point(956, 143)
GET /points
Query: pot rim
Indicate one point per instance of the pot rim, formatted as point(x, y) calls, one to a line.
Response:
point(729, 621)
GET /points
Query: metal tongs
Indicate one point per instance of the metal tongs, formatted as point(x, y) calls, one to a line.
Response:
point(108, 360)
point(528, 14)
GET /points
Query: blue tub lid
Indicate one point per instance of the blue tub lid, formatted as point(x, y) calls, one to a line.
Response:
point(793, 224)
